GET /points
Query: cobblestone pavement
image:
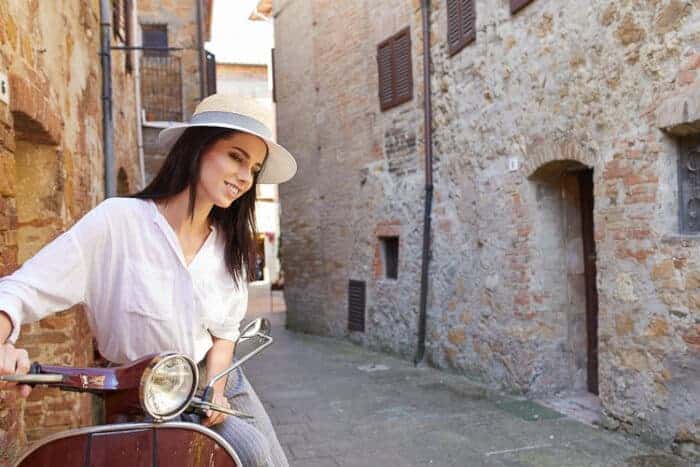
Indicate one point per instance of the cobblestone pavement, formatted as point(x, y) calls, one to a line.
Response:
point(337, 404)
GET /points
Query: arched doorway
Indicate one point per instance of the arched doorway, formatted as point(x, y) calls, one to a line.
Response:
point(564, 234)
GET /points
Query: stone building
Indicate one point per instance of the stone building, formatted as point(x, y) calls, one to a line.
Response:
point(52, 172)
point(245, 72)
point(250, 83)
point(179, 75)
point(564, 255)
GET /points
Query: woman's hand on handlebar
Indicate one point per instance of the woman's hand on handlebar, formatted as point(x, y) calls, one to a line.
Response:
point(215, 417)
point(14, 361)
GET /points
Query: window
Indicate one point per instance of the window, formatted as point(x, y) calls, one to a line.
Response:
point(395, 70)
point(689, 185)
point(517, 5)
point(155, 35)
point(461, 24)
point(390, 256)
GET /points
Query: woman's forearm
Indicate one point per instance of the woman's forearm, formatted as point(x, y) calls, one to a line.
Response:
point(218, 359)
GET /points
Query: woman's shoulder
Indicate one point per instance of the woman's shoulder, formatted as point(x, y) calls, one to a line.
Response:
point(118, 208)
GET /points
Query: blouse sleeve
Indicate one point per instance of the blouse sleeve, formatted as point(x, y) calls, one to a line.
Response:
point(56, 277)
point(229, 328)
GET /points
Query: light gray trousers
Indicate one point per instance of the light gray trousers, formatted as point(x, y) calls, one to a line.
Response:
point(254, 440)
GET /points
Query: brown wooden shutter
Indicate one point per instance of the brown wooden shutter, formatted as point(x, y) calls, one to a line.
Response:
point(461, 24)
point(403, 76)
point(395, 71)
point(119, 20)
point(517, 5)
point(386, 85)
point(128, 33)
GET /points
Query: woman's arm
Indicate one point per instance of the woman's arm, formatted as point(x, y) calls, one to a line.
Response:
point(54, 279)
point(12, 360)
point(219, 358)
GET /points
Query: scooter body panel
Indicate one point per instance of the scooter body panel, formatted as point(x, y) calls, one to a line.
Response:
point(172, 444)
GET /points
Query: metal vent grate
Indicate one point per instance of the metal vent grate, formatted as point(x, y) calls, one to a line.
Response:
point(356, 305)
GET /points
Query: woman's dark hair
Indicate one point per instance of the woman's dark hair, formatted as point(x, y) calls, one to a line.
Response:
point(236, 223)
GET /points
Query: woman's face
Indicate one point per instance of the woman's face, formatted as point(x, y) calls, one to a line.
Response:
point(228, 166)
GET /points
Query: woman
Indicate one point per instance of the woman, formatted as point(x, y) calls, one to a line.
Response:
point(167, 268)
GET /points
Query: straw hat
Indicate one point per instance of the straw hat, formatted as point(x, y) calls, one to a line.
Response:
point(219, 110)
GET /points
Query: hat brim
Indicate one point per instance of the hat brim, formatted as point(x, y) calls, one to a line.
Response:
point(279, 166)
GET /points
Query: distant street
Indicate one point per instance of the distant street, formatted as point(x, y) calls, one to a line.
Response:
point(337, 404)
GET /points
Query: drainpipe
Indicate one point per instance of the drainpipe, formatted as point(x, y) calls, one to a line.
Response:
point(428, 136)
point(200, 45)
point(107, 122)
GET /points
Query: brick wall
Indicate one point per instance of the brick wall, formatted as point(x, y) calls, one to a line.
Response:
point(556, 87)
point(51, 173)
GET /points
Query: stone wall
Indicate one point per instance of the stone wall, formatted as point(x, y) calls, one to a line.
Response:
point(556, 88)
point(51, 173)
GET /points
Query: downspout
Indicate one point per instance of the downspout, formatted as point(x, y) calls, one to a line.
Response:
point(200, 45)
point(428, 136)
point(107, 122)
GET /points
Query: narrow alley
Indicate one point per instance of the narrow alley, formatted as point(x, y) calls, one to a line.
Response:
point(337, 404)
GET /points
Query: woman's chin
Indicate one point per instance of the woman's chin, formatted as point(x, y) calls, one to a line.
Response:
point(224, 203)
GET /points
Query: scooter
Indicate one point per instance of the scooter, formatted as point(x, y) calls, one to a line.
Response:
point(152, 408)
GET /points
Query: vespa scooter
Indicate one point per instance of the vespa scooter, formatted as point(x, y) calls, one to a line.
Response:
point(152, 409)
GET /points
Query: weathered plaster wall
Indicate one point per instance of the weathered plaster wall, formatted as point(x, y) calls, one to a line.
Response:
point(51, 173)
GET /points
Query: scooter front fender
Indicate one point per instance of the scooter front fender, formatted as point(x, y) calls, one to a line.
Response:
point(176, 444)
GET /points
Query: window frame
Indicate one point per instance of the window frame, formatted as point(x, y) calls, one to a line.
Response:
point(390, 246)
point(463, 39)
point(151, 52)
point(686, 145)
point(391, 42)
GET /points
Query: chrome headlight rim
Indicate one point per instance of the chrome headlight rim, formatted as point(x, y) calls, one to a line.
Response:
point(146, 376)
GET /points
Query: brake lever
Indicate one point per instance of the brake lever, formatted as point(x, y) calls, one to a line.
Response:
point(203, 405)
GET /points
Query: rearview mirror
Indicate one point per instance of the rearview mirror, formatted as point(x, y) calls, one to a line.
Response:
point(255, 327)
point(258, 332)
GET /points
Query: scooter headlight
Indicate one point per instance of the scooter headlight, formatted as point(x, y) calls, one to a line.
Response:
point(168, 385)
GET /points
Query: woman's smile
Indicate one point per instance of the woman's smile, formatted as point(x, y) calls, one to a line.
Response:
point(232, 189)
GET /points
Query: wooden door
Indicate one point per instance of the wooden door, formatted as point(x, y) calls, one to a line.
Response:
point(585, 180)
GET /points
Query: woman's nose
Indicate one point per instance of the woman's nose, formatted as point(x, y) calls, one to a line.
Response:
point(245, 174)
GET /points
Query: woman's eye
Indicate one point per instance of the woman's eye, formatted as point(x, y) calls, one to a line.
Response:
point(235, 156)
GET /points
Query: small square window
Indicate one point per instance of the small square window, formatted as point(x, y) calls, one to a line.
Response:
point(155, 35)
point(689, 185)
point(390, 256)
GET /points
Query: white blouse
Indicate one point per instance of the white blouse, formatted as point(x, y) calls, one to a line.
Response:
point(123, 261)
